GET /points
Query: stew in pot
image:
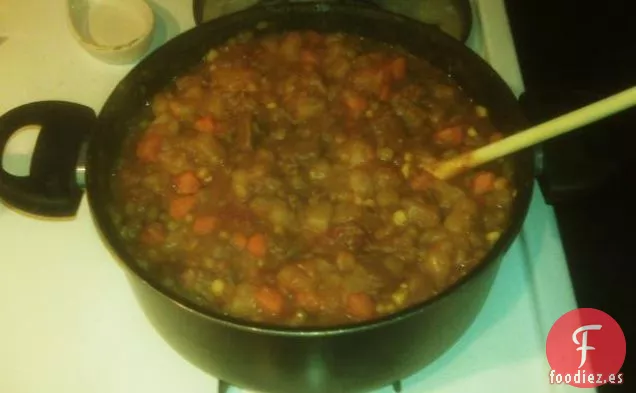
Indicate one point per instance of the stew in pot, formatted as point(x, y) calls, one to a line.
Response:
point(283, 180)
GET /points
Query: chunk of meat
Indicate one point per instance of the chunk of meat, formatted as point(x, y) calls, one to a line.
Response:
point(149, 147)
point(355, 103)
point(153, 234)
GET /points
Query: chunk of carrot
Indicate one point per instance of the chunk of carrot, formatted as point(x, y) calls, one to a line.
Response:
point(483, 182)
point(204, 225)
point(153, 234)
point(451, 136)
point(360, 306)
point(187, 183)
point(257, 245)
point(181, 206)
point(355, 102)
point(398, 68)
point(239, 241)
point(270, 300)
point(205, 124)
point(149, 147)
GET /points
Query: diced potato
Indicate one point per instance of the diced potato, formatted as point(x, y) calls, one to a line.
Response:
point(462, 216)
point(420, 213)
point(318, 217)
point(345, 212)
point(386, 198)
point(394, 265)
point(345, 261)
point(400, 295)
point(360, 183)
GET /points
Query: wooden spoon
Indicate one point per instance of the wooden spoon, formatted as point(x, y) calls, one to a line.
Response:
point(534, 135)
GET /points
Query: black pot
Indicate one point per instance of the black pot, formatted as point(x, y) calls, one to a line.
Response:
point(265, 358)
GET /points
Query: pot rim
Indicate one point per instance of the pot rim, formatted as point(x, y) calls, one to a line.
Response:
point(519, 211)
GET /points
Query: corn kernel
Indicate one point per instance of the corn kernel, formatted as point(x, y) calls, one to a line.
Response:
point(493, 236)
point(481, 111)
point(217, 287)
point(408, 157)
point(472, 132)
point(399, 218)
point(271, 105)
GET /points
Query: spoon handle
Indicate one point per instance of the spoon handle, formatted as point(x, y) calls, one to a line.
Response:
point(537, 134)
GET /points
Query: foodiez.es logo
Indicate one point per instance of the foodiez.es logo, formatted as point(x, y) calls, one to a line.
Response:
point(586, 348)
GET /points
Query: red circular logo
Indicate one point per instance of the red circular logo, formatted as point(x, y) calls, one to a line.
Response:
point(586, 348)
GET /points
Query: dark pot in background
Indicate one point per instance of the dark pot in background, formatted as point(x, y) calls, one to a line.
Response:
point(348, 359)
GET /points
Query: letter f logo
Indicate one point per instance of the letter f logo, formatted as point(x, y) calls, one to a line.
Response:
point(583, 344)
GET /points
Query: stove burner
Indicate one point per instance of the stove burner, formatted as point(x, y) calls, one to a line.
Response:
point(454, 17)
point(224, 387)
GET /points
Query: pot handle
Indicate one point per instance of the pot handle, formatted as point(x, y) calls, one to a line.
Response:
point(51, 188)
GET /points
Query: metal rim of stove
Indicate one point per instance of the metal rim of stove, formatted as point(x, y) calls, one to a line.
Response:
point(224, 387)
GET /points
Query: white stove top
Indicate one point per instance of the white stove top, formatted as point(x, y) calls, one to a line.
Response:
point(69, 322)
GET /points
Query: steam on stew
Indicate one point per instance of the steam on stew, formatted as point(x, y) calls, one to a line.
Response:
point(283, 180)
